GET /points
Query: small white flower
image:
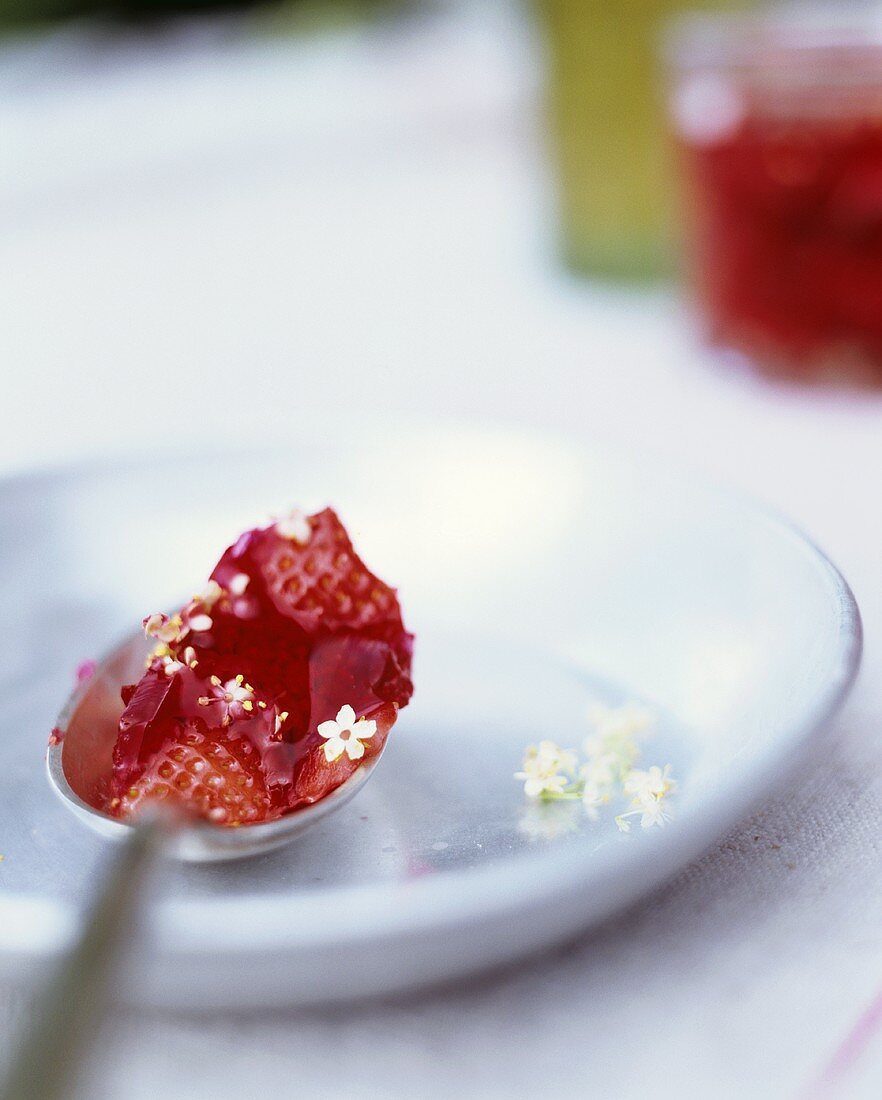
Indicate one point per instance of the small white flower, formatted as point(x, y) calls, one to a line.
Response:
point(162, 653)
point(616, 729)
point(607, 773)
point(209, 596)
point(653, 783)
point(654, 812)
point(547, 769)
point(235, 698)
point(650, 791)
point(200, 623)
point(537, 786)
point(345, 734)
point(239, 583)
point(163, 628)
point(295, 526)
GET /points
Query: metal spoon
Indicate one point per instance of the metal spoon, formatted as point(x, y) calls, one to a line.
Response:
point(81, 761)
point(72, 1005)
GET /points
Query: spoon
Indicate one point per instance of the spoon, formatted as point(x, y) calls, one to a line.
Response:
point(78, 764)
point(81, 762)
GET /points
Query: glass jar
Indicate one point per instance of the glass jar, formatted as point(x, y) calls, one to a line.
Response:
point(778, 120)
point(607, 132)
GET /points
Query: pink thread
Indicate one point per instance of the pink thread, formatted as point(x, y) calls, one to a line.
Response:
point(849, 1051)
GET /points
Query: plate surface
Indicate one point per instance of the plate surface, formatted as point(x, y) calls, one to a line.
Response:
point(539, 576)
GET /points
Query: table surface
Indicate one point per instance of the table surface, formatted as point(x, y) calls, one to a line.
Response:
point(214, 222)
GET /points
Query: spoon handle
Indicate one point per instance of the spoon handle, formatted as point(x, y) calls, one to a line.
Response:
point(70, 1009)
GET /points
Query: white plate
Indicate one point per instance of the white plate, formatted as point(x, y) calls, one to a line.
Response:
point(538, 576)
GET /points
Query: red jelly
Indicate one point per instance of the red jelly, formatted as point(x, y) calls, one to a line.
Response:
point(780, 128)
point(266, 691)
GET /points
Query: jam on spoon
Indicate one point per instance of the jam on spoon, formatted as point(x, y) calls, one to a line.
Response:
point(266, 691)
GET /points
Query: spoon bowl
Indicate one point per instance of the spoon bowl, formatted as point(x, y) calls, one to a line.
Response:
point(79, 764)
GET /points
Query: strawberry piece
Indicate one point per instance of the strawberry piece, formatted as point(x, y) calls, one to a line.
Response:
point(213, 775)
point(292, 627)
point(316, 777)
point(322, 585)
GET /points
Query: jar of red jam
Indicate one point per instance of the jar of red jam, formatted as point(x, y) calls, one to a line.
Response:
point(778, 119)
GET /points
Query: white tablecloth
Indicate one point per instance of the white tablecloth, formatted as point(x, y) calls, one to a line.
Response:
point(363, 221)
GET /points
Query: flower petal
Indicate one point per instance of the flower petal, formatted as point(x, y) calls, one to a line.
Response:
point(354, 749)
point(346, 716)
point(334, 749)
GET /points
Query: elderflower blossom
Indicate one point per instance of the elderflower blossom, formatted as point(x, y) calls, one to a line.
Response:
point(610, 754)
point(163, 628)
point(649, 791)
point(234, 699)
point(547, 770)
point(345, 734)
point(598, 776)
point(643, 786)
point(615, 733)
point(209, 596)
point(654, 813)
point(239, 583)
point(295, 526)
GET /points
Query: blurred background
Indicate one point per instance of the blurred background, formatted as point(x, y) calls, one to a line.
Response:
point(657, 222)
point(432, 203)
